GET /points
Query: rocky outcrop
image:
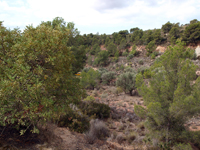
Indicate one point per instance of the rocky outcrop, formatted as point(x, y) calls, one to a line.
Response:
point(197, 51)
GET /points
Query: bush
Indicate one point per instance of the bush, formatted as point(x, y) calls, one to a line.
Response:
point(130, 56)
point(131, 137)
point(112, 49)
point(129, 69)
point(75, 121)
point(89, 80)
point(120, 138)
point(102, 59)
point(108, 77)
point(89, 98)
point(118, 90)
point(182, 147)
point(127, 81)
point(37, 83)
point(95, 109)
point(141, 62)
point(150, 47)
point(125, 54)
point(98, 130)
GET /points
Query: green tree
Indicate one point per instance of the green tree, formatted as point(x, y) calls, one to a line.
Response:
point(112, 48)
point(150, 47)
point(192, 33)
point(170, 98)
point(122, 44)
point(127, 82)
point(102, 59)
point(89, 79)
point(36, 80)
point(174, 34)
point(167, 27)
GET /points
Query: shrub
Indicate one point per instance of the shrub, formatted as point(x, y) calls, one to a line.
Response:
point(98, 130)
point(89, 80)
point(120, 138)
point(129, 69)
point(130, 56)
point(182, 147)
point(125, 54)
point(141, 62)
point(108, 77)
point(86, 69)
point(150, 47)
point(95, 109)
point(89, 98)
point(75, 121)
point(89, 60)
point(118, 90)
point(37, 83)
point(112, 48)
point(102, 59)
point(127, 81)
point(140, 111)
point(131, 137)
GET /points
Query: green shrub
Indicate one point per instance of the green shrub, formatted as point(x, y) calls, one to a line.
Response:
point(140, 111)
point(108, 77)
point(95, 109)
point(131, 137)
point(74, 121)
point(129, 69)
point(102, 59)
point(89, 80)
point(141, 62)
point(130, 56)
point(182, 147)
point(125, 54)
point(127, 81)
point(89, 98)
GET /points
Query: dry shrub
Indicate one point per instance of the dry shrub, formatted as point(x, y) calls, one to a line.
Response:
point(120, 138)
point(98, 130)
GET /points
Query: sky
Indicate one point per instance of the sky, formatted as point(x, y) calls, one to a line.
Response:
point(99, 16)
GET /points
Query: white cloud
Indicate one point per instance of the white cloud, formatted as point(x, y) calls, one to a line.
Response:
point(100, 15)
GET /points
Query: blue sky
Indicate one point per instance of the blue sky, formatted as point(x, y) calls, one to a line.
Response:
point(103, 16)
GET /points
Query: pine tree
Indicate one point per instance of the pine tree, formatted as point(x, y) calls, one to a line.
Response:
point(170, 97)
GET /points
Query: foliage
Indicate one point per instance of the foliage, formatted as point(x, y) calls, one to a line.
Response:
point(182, 147)
point(192, 33)
point(95, 49)
point(150, 47)
point(37, 83)
point(122, 44)
point(140, 111)
point(112, 48)
point(80, 58)
point(170, 98)
point(89, 98)
point(75, 121)
point(89, 79)
point(108, 77)
point(98, 130)
point(125, 54)
point(127, 81)
point(167, 27)
point(102, 59)
point(130, 56)
point(98, 110)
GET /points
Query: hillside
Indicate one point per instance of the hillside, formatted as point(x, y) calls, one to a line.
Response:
point(134, 90)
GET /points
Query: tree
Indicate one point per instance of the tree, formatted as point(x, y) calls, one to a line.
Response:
point(174, 34)
point(192, 33)
point(167, 27)
point(89, 79)
point(150, 47)
point(157, 36)
point(36, 79)
point(169, 97)
point(122, 44)
point(127, 82)
point(112, 48)
point(102, 58)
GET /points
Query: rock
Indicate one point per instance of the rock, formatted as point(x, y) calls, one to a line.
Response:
point(161, 49)
point(197, 51)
